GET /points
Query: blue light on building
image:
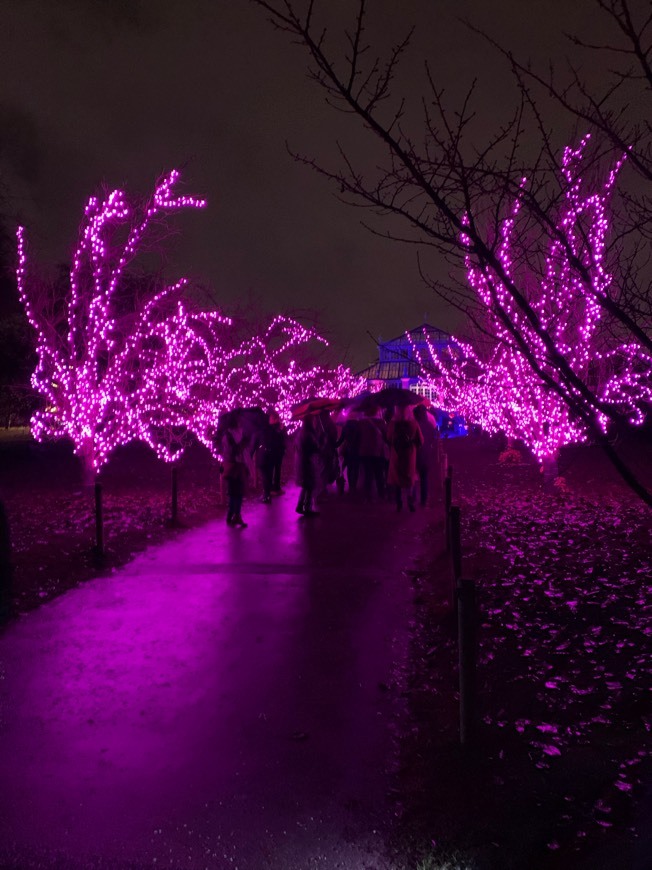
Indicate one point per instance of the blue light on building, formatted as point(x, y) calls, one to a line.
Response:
point(397, 364)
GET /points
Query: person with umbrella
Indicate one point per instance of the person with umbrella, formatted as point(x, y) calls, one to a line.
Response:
point(307, 454)
point(263, 450)
point(310, 440)
point(328, 463)
point(372, 431)
point(233, 441)
point(269, 448)
point(427, 453)
point(279, 442)
point(404, 438)
point(349, 445)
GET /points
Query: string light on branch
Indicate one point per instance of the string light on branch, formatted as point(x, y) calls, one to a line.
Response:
point(500, 389)
point(86, 362)
point(139, 362)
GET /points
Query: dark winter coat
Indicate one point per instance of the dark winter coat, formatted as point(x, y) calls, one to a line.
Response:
point(349, 440)
point(404, 437)
point(307, 452)
point(265, 446)
point(235, 467)
point(372, 437)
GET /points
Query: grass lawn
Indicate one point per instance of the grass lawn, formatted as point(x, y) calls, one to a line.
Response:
point(561, 762)
point(15, 433)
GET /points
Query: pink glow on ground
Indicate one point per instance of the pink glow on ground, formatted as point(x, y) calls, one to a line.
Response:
point(218, 690)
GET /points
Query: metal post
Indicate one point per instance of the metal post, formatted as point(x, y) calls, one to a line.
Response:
point(436, 464)
point(175, 496)
point(6, 567)
point(466, 625)
point(448, 495)
point(456, 551)
point(99, 521)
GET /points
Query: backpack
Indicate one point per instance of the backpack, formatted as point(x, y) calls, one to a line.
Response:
point(403, 438)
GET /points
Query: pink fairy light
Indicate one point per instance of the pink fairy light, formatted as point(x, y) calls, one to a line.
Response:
point(161, 371)
point(272, 370)
point(177, 362)
point(499, 390)
point(85, 369)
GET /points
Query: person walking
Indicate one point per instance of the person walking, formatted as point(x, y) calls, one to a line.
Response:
point(372, 439)
point(404, 438)
point(427, 452)
point(234, 442)
point(327, 461)
point(264, 453)
point(279, 444)
point(349, 446)
point(307, 457)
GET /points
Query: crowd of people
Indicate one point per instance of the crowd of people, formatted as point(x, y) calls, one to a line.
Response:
point(374, 453)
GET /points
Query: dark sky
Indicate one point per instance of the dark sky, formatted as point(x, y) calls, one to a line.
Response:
point(120, 90)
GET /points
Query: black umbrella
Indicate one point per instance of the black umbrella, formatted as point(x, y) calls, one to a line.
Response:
point(363, 402)
point(314, 406)
point(352, 401)
point(250, 420)
point(393, 397)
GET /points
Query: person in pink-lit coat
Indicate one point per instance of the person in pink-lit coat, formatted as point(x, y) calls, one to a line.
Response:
point(404, 438)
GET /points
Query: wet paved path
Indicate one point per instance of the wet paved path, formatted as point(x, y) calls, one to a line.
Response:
point(216, 703)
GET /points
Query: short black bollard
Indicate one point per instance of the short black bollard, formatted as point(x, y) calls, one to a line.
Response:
point(99, 521)
point(467, 645)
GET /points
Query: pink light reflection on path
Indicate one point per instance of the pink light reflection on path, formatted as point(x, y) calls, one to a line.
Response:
point(215, 699)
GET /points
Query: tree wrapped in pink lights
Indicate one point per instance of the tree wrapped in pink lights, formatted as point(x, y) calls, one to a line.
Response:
point(180, 373)
point(435, 165)
point(92, 362)
point(132, 360)
point(279, 368)
point(224, 369)
point(553, 372)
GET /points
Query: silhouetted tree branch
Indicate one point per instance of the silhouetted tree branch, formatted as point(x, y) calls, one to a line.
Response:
point(452, 194)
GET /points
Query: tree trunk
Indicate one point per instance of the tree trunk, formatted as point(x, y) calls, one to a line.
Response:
point(550, 469)
point(99, 521)
point(174, 513)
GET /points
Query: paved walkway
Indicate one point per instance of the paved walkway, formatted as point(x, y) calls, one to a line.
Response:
point(217, 703)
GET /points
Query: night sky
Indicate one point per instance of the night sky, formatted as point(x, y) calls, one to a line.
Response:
point(121, 90)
